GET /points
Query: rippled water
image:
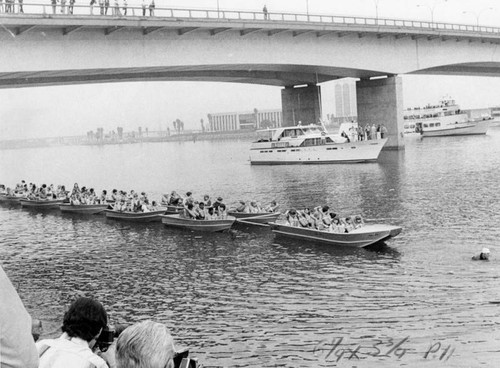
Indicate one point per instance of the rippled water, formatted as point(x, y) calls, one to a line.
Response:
point(246, 299)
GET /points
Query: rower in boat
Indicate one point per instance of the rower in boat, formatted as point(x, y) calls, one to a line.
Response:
point(272, 207)
point(292, 218)
point(189, 211)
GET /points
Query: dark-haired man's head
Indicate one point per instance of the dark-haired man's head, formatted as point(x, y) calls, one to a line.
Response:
point(85, 319)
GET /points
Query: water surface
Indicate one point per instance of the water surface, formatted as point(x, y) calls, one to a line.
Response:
point(246, 299)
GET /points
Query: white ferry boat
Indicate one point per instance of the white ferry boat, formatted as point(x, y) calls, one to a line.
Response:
point(444, 119)
point(311, 144)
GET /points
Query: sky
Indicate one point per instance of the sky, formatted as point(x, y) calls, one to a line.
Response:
point(74, 110)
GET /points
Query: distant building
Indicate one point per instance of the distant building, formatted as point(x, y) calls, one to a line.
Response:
point(345, 98)
point(250, 120)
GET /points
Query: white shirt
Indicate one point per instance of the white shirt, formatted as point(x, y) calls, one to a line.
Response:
point(68, 352)
point(17, 347)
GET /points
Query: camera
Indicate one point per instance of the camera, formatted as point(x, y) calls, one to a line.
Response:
point(106, 338)
point(182, 360)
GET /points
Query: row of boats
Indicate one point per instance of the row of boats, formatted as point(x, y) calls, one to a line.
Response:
point(172, 216)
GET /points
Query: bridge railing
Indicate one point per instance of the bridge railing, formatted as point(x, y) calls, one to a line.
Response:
point(63, 8)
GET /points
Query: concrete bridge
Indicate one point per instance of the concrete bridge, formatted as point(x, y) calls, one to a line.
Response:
point(295, 51)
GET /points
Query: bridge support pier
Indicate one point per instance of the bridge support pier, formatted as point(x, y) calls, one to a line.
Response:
point(380, 101)
point(301, 104)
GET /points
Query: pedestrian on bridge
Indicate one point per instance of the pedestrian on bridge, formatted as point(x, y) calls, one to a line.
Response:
point(63, 6)
point(152, 8)
point(124, 7)
point(71, 5)
point(20, 2)
point(54, 6)
point(266, 14)
point(1, 6)
point(144, 8)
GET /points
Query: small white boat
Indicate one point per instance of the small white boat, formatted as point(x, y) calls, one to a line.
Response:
point(198, 225)
point(311, 144)
point(444, 119)
point(41, 203)
point(152, 216)
point(259, 217)
point(90, 209)
point(366, 235)
point(468, 128)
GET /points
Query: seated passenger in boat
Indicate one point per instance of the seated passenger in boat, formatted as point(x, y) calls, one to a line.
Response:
point(303, 219)
point(76, 189)
point(358, 222)
point(221, 211)
point(120, 205)
point(241, 207)
point(164, 199)
point(200, 211)
point(254, 207)
point(292, 218)
point(144, 206)
point(210, 214)
point(207, 200)
point(348, 225)
point(103, 198)
point(2, 189)
point(272, 207)
point(175, 199)
point(115, 197)
point(217, 203)
point(74, 199)
point(189, 211)
point(154, 206)
point(189, 198)
point(43, 192)
point(337, 226)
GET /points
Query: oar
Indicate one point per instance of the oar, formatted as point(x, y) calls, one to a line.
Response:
point(252, 223)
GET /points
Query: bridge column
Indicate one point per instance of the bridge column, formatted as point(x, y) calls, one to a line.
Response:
point(380, 101)
point(300, 104)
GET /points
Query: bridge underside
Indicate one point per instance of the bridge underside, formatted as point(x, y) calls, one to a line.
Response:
point(486, 69)
point(272, 75)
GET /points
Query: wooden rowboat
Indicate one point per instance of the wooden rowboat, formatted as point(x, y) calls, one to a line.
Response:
point(152, 216)
point(198, 225)
point(89, 209)
point(41, 203)
point(258, 218)
point(9, 199)
point(172, 210)
point(361, 237)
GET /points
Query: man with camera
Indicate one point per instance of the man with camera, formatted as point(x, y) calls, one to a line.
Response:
point(83, 323)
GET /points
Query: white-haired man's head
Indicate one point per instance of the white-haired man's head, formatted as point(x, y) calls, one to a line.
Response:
point(145, 344)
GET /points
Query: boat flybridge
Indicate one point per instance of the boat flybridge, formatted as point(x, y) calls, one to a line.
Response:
point(311, 144)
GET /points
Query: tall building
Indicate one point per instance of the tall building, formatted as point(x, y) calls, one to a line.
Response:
point(345, 98)
point(249, 120)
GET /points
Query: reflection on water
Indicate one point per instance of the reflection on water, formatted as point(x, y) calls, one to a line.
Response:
point(245, 298)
